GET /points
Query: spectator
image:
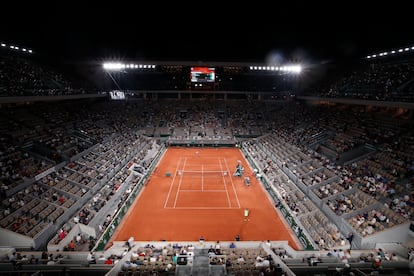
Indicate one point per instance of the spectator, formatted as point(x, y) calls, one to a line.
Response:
point(91, 257)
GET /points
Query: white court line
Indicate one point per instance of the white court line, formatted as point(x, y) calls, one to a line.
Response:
point(205, 191)
point(172, 183)
point(225, 185)
point(232, 184)
point(179, 183)
point(203, 208)
point(202, 178)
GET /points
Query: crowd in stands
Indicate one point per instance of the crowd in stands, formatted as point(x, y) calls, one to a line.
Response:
point(331, 182)
point(385, 175)
point(30, 210)
point(386, 80)
point(24, 77)
point(89, 139)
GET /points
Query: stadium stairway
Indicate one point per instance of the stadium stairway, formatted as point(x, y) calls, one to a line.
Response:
point(200, 263)
point(201, 266)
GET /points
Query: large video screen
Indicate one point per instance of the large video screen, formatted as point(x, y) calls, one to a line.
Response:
point(202, 74)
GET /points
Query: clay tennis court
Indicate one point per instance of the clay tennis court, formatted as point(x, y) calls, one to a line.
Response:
point(193, 192)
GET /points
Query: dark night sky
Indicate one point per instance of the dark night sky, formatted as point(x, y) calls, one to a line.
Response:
point(207, 30)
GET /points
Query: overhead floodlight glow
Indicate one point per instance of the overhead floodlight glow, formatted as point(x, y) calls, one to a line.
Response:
point(30, 51)
point(381, 54)
point(297, 69)
point(368, 56)
point(412, 48)
point(392, 52)
point(400, 50)
point(24, 50)
point(3, 45)
point(11, 46)
point(406, 49)
point(374, 56)
point(113, 66)
point(286, 68)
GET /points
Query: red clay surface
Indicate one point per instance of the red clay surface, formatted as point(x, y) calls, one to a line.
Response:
point(202, 197)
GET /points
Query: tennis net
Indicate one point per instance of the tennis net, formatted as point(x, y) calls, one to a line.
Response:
point(202, 174)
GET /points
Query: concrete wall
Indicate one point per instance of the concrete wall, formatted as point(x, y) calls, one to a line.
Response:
point(396, 234)
point(10, 238)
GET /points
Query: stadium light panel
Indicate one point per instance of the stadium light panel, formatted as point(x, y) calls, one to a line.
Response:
point(113, 66)
point(297, 69)
point(30, 51)
point(3, 45)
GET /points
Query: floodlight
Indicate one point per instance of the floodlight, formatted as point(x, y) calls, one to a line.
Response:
point(113, 66)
